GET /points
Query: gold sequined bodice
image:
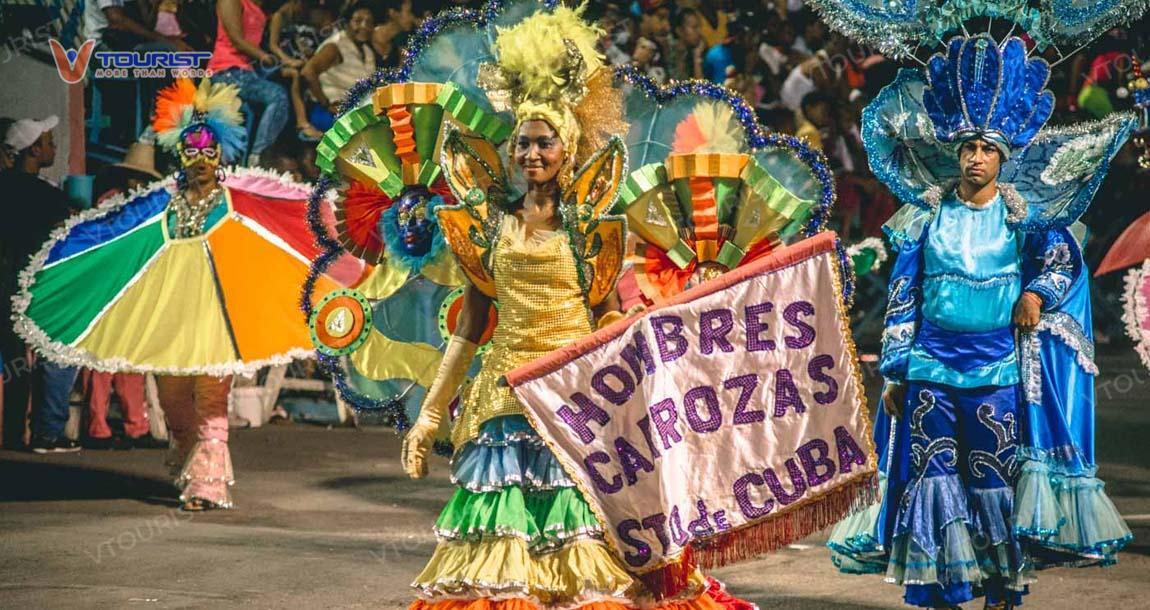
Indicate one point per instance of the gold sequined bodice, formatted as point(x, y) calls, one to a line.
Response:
point(541, 309)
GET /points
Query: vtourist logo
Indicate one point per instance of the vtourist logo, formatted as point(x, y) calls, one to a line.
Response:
point(72, 64)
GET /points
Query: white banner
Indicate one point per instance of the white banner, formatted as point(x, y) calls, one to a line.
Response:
point(731, 419)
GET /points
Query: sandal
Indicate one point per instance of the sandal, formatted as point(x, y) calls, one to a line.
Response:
point(194, 505)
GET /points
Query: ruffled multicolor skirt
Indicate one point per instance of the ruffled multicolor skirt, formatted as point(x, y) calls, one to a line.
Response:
point(518, 535)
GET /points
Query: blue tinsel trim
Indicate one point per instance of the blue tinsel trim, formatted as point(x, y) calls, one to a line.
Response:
point(330, 248)
point(847, 273)
point(392, 410)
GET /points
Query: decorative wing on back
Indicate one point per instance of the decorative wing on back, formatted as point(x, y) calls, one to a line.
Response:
point(474, 171)
point(595, 188)
point(1059, 173)
point(605, 248)
point(598, 236)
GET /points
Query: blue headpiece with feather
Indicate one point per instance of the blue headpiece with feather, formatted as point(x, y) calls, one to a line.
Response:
point(184, 108)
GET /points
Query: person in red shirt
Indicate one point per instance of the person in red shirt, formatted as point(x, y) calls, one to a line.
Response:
point(238, 33)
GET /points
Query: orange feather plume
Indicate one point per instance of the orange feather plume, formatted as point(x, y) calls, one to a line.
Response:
point(171, 104)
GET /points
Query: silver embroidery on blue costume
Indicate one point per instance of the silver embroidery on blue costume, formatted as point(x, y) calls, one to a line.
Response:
point(1002, 459)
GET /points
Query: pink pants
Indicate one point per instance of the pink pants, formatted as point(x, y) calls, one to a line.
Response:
point(130, 390)
point(197, 412)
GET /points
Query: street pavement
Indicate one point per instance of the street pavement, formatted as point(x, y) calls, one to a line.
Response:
point(326, 519)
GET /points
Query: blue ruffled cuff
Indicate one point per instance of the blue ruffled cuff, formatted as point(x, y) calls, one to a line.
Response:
point(1051, 287)
point(1067, 520)
point(1058, 263)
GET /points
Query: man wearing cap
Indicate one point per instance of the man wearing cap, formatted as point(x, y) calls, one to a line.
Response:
point(35, 208)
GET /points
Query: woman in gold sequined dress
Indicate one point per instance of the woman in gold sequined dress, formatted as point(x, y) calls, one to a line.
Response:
point(517, 534)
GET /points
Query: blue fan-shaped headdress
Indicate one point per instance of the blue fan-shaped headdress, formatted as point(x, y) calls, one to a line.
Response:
point(980, 87)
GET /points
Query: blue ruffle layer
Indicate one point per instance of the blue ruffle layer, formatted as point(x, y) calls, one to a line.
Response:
point(1067, 520)
point(952, 595)
point(928, 507)
point(953, 542)
point(507, 452)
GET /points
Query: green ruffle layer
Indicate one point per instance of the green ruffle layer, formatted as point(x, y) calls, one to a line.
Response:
point(545, 520)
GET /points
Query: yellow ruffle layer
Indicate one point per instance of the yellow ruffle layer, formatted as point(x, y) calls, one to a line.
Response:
point(703, 602)
point(582, 575)
point(584, 570)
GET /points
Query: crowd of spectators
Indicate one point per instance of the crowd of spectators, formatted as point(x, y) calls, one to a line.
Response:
point(294, 61)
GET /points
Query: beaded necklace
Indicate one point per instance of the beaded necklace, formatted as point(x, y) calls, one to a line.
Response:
point(190, 216)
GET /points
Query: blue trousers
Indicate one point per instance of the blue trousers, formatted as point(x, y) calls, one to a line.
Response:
point(954, 536)
point(261, 93)
point(54, 384)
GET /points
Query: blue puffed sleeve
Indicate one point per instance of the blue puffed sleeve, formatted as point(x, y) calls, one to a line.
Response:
point(1052, 259)
point(906, 231)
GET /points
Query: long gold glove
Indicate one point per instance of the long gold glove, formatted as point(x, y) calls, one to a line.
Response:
point(421, 436)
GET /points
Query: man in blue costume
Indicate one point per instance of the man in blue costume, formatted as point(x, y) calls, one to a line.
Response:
point(956, 299)
point(987, 431)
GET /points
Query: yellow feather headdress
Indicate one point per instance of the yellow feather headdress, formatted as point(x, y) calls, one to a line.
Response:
point(547, 68)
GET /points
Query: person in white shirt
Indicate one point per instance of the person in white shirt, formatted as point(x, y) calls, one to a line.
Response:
point(112, 26)
point(341, 61)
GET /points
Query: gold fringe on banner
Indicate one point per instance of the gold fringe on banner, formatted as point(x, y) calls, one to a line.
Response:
point(673, 578)
point(776, 532)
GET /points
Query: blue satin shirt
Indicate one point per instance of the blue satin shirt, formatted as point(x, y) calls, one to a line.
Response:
point(972, 277)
